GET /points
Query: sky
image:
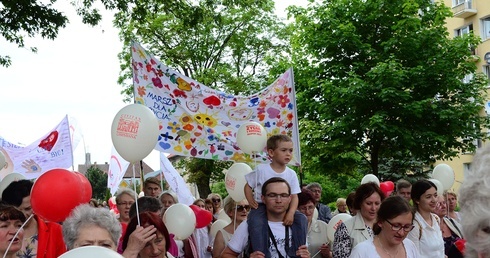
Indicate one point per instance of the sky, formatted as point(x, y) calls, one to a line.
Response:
point(76, 75)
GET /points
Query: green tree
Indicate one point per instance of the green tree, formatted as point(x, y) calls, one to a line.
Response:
point(98, 180)
point(384, 80)
point(203, 171)
point(227, 45)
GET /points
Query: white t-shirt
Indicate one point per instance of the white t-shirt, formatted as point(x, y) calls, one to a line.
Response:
point(264, 172)
point(239, 240)
point(431, 244)
point(366, 249)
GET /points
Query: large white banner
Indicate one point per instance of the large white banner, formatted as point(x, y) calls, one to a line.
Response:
point(201, 122)
point(53, 150)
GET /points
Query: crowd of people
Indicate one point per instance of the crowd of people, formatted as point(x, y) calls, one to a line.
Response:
point(277, 219)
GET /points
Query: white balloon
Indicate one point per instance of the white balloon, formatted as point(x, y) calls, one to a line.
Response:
point(334, 223)
point(439, 186)
point(91, 251)
point(134, 132)
point(445, 174)
point(370, 178)
point(12, 177)
point(3, 161)
point(235, 180)
point(251, 137)
point(180, 220)
point(223, 216)
point(216, 226)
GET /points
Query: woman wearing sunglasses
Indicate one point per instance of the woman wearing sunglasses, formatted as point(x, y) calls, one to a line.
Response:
point(394, 222)
point(216, 199)
point(238, 212)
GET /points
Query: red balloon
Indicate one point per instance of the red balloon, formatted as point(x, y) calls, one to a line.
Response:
point(86, 187)
point(55, 193)
point(203, 217)
point(387, 187)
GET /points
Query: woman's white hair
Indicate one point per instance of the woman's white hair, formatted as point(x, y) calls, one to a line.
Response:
point(474, 199)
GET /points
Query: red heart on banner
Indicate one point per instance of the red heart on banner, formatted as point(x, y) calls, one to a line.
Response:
point(212, 101)
point(49, 142)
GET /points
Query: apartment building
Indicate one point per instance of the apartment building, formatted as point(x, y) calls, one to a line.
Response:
point(470, 16)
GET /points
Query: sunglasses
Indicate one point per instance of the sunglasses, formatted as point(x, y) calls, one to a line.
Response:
point(241, 208)
point(216, 200)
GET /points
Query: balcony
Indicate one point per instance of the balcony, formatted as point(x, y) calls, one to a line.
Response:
point(464, 10)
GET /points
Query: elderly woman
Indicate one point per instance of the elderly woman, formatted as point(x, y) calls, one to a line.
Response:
point(452, 202)
point(394, 221)
point(168, 198)
point(341, 205)
point(11, 220)
point(474, 200)
point(153, 236)
point(186, 247)
point(125, 197)
point(237, 211)
point(317, 229)
point(427, 234)
point(88, 225)
point(451, 230)
point(351, 232)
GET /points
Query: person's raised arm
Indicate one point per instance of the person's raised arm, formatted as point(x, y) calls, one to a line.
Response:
point(138, 239)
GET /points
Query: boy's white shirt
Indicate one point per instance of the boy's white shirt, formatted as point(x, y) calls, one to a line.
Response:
point(264, 172)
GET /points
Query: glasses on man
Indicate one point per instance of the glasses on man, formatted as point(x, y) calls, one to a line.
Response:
point(276, 195)
point(125, 203)
point(397, 227)
point(216, 200)
point(240, 208)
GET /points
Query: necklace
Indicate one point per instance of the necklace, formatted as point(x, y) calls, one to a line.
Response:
point(388, 253)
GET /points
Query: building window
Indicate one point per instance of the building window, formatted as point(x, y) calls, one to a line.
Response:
point(486, 71)
point(485, 28)
point(463, 31)
point(458, 2)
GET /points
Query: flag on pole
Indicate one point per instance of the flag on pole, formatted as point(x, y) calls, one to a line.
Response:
point(117, 169)
point(201, 122)
point(175, 181)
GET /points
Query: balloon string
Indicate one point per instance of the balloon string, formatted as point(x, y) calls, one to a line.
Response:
point(16, 233)
point(234, 219)
point(136, 194)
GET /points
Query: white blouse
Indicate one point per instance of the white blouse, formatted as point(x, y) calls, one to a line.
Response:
point(428, 240)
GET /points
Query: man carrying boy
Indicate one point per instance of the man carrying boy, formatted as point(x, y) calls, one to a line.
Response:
point(280, 151)
point(286, 242)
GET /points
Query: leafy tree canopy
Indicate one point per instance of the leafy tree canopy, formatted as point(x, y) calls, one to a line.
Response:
point(384, 80)
point(98, 180)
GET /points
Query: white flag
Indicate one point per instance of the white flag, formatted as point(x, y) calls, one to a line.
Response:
point(53, 150)
point(175, 181)
point(117, 168)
